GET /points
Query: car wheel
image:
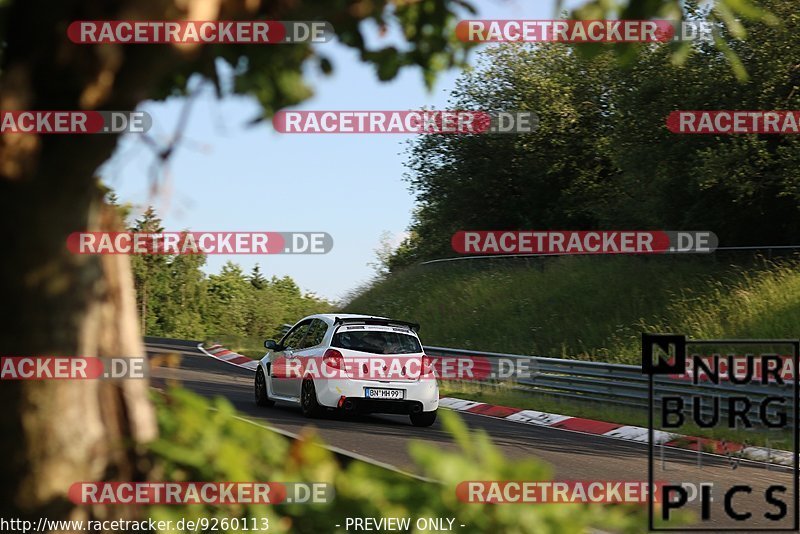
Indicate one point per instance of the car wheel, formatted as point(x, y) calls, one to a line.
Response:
point(308, 399)
point(423, 418)
point(262, 398)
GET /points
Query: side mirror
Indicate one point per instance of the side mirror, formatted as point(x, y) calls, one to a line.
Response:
point(271, 344)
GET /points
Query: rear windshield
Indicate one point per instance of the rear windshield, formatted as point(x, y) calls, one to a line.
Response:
point(377, 342)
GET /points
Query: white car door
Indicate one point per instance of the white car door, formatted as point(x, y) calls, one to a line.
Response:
point(309, 348)
point(284, 364)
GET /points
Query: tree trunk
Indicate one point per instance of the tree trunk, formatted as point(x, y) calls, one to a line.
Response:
point(67, 431)
point(58, 432)
point(55, 432)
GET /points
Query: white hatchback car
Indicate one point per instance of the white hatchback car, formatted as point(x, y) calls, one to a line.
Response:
point(353, 363)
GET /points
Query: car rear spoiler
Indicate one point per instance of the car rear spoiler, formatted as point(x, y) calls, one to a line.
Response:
point(375, 321)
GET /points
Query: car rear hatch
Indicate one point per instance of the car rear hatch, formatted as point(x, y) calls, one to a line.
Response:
point(360, 365)
point(379, 353)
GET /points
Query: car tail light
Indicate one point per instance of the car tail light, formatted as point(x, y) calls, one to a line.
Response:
point(333, 359)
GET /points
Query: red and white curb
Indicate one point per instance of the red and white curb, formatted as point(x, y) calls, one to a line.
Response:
point(618, 431)
point(228, 356)
point(567, 422)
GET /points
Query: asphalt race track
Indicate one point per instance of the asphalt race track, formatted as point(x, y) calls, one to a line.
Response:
point(573, 456)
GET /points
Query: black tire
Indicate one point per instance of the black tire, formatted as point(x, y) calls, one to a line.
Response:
point(308, 399)
point(423, 418)
point(262, 398)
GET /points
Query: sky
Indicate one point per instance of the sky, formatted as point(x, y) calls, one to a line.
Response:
point(228, 176)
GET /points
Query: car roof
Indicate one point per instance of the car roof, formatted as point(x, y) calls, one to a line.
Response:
point(330, 319)
point(333, 316)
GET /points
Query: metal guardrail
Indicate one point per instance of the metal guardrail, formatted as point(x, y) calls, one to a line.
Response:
point(615, 384)
point(153, 340)
point(767, 248)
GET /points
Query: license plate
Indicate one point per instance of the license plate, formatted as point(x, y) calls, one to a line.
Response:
point(378, 393)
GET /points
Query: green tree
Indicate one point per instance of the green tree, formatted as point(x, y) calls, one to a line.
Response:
point(728, 16)
point(744, 187)
point(496, 181)
point(256, 278)
point(176, 299)
point(150, 277)
point(603, 157)
point(185, 308)
point(228, 298)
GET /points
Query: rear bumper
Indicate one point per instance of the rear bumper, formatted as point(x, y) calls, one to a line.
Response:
point(362, 405)
point(424, 393)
